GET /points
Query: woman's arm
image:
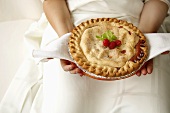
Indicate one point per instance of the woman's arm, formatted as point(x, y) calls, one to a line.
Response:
point(152, 16)
point(59, 17)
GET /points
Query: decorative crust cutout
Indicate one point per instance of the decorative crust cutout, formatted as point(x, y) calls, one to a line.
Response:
point(96, 67)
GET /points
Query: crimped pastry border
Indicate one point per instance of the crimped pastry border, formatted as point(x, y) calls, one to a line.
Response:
point(107, 72)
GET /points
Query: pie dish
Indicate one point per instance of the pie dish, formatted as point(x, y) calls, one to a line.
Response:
point(91, 49)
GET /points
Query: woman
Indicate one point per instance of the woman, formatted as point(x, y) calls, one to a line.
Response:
point(59, 17)
point(62, 91)
point(85, 95)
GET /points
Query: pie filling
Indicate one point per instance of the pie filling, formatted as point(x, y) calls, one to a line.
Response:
point(95, 52)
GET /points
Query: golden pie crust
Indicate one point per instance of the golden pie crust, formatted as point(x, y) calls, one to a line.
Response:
point(90, 55)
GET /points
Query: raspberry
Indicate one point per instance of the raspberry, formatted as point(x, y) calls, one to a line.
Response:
point(112, 45)
point(118, 42)
point(106, 42)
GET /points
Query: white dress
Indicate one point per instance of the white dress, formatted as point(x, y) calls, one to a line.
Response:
point(58, 91)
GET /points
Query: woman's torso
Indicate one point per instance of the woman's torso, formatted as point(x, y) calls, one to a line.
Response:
point(85, 9)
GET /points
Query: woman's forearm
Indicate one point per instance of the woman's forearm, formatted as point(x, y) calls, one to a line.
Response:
point(152, 16)
point(58, 16)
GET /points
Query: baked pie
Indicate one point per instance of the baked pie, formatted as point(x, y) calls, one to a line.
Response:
point(108, 48)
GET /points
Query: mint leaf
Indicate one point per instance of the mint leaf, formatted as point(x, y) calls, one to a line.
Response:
point(114, 37)
point(104, 36)
point(98, 37)
point(110, 36)
point(107, 35)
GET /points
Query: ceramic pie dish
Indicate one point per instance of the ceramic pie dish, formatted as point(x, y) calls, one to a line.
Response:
point(108, 48)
